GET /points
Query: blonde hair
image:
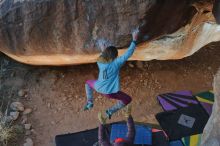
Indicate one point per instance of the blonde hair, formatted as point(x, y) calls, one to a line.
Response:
point(108, 55)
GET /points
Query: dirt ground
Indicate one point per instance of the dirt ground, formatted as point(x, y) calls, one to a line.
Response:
point(57, 95)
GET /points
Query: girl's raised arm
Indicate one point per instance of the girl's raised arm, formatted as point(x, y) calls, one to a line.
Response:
point(122, 59)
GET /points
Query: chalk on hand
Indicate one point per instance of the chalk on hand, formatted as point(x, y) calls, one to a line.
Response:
point(136, 30)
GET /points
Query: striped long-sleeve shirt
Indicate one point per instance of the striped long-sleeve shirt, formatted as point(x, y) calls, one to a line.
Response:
point(109, 81)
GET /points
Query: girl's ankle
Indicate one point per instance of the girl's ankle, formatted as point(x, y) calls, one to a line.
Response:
point(88, 106)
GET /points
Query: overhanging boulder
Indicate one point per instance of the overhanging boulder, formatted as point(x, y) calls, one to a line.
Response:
point(65, 32)
point(216, 11)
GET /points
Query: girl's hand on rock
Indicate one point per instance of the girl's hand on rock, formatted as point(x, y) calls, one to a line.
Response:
point(135, 34)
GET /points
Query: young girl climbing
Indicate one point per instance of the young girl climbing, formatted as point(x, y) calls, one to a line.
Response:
point(108, 82)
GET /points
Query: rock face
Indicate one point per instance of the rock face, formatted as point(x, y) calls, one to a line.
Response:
point(216, 11)
point(61, 32)
point(211, 134)
point(34, 27)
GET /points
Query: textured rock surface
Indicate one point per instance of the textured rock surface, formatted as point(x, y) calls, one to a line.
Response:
point(211, 134)
point(59, 32)
point(14, 115)
point(216, 11)
point(33, 27)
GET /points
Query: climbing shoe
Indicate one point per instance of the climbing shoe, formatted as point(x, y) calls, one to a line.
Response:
point(88, 106)
point(108, 114)
point(127, 111)
point(101, 118)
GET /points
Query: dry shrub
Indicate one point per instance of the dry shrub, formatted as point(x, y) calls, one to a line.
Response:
point(7, 131)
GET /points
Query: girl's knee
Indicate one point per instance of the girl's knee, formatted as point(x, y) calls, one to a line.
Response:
point(90, 83)
point(128, 100)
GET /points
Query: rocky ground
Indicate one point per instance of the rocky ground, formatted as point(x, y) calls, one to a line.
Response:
point(54, 96)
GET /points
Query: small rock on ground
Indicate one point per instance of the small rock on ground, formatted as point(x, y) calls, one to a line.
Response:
point(17, 106)
point(131, 65)
point(8, 119)
point(49, 105)
point(22, 93)
point(27, 126)
point(53, 123)
point(29, 142)
point(14, 115)
point(27, 132)
point(27, 111)
point(1, 114)
point(24, 119)
point(140, 64)
point(209, 68)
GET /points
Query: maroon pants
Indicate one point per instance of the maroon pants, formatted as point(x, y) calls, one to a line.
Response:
point(123, 97)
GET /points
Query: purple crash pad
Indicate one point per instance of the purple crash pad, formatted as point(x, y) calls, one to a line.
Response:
point(176, 100)
point(206, 99)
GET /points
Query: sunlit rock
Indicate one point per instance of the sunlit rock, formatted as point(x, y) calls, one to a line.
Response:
point(211, 134)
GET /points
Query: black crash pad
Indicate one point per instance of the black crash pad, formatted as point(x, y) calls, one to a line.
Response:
point(87, 137)
point(183, 122)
